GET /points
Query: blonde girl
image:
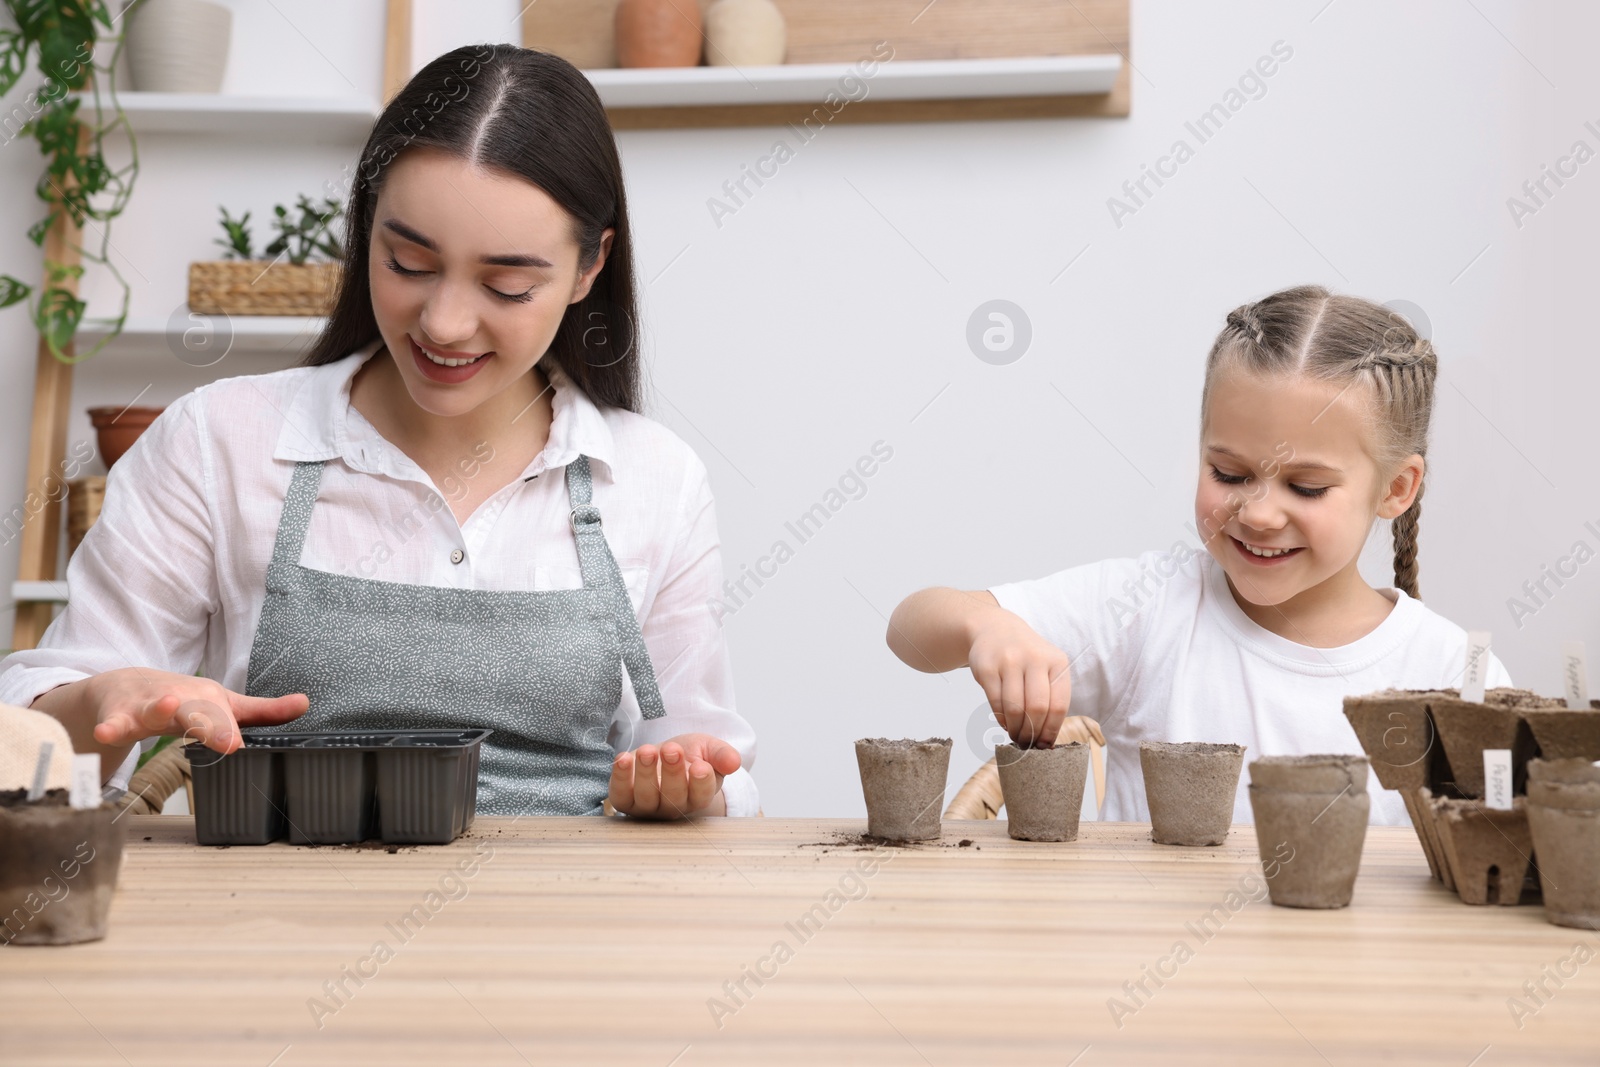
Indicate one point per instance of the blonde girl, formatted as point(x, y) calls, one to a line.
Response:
point(1313, 425)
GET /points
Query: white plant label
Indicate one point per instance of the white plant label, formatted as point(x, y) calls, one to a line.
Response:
point(1497, 778)
point(85, 781)
point(41, 770)
point(1575, 674)
point(1477, 666)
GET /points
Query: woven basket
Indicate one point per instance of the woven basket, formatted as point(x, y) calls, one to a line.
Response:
point(83, 507)
point(261, 287)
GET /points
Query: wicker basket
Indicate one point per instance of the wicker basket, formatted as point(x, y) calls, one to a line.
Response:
point(83, 507)
point(261, 287)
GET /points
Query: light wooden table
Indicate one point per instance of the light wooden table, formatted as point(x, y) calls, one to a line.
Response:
point(606, 941)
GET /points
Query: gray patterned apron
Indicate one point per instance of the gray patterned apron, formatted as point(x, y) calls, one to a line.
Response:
point(542, 669)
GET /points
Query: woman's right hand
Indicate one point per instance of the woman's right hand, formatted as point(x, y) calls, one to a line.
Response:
point(132, 703)
point(1027, 679)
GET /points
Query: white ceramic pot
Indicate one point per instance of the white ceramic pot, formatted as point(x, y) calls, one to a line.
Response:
point(178, 46)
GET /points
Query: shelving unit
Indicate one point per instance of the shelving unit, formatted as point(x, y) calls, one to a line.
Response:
point(251, 333)
point(949, 60)
point(216, 114)
point(917, 79)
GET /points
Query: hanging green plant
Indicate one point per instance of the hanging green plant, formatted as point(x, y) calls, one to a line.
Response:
point(64, 34)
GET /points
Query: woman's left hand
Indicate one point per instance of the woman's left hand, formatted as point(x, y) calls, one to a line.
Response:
point(680, 777)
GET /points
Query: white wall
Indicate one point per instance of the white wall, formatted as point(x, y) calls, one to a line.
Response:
point(831, 309)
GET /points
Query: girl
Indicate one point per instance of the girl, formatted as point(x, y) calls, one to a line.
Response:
point(406, 531)
point(1313, 422)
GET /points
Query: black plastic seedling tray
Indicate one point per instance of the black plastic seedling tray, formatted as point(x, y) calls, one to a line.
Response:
point(408, 787)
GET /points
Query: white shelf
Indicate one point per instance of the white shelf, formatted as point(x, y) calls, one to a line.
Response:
point(39, 592)
point(920, 79)
point(322, 118)
point(251, 333)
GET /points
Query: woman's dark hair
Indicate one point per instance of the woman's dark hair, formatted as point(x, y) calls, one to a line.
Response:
point(533, 115)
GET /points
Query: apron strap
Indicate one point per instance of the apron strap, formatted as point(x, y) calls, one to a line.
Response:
point(296, 519)
point(600, 572)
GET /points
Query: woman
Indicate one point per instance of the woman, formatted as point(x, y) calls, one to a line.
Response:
point(406, 531)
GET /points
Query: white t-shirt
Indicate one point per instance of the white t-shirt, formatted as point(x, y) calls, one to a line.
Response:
point(1161, 651)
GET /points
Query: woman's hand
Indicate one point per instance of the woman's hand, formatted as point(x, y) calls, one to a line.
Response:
point(680, 778)
point(123, 706)
point(1028, 681)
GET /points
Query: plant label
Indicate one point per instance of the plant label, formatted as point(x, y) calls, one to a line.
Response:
point(41, 770)
point(1575, 674)
point(1477, 669)
point(1497, 778)
point(85, 792)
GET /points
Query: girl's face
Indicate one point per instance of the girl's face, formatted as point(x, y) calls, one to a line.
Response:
point(1287, 491)
point(471, 266)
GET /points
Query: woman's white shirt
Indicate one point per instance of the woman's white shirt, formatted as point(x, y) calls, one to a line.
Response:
point(172, 574)
point(1161, 651)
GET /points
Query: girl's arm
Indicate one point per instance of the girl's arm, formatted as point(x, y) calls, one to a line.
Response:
point(1027, 679)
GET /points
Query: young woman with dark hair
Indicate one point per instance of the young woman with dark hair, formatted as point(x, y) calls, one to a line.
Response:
point(406, 531)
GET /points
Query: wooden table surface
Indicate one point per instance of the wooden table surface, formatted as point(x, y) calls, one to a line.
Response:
point(596, 940)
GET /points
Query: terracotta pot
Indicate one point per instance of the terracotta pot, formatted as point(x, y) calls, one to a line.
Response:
point(903, 781)
point(1311, 821)
point(58, 869)
point(658, 33)
point(1564, 819)
point(1043, 789)
point(116, 428)
point(1190, 789)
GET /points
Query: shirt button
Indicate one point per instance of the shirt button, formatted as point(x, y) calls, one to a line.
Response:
point(457, 556)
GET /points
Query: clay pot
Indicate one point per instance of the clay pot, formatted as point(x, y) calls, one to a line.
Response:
point(117, 428)
point(658, 33)
point(58, 869)
point(1488, 850)
point(1466, 729)
point(1043, 789)
point(1566, 733)
point(903, 781)
point(1311, 821)
point(1190, 788)
point(745, 33)
point(1564, 819)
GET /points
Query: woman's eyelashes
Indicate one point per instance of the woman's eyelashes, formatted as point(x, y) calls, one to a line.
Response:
point(1240, 479)
point(518, 298)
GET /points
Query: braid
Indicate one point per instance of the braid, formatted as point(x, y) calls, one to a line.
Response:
point(1405, 547)
point(1248, 323)
point(1405, 375)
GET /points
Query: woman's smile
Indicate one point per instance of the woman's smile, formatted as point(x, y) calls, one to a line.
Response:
point(442, 365)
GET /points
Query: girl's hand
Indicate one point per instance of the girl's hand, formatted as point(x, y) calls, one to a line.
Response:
point(681, 778)
point(1027, 680)
point(132, 703)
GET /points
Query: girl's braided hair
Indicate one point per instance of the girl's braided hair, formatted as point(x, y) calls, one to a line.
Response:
point(1310, 331)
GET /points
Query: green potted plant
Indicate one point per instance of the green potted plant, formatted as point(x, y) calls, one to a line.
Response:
point(286, 283)
point(64, 34)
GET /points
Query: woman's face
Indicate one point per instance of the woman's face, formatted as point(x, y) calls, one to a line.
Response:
point(469, 265)
point(1283, 471)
